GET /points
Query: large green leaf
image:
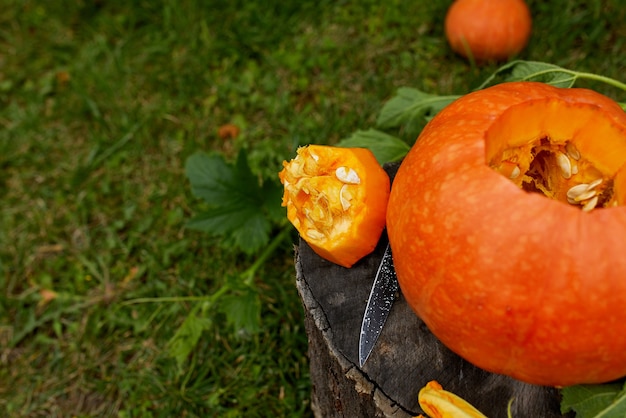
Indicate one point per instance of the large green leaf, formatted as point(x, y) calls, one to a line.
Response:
point(186, 337)
point(240, 226)
point(242, 308)
point(411, 106)
point(218, 182)
point(595, 401)
point(386, 148)
point(240, 207)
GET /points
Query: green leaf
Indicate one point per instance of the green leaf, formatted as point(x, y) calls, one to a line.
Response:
point(243, 226)
point(411, 106)
point(532, 71)
point(595, 401)
point(386, 148)
point(545, 73)
point(239, 206)
point(242, 309)
point(186, 337)
point(214, 180)
point(273, 193)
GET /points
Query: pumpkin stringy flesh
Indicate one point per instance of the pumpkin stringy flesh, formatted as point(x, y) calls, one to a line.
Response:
point(558, 169)
point(559, 172)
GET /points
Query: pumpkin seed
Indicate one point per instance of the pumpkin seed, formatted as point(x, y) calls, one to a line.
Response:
point(509, 169)
point(564, 164)
point(515, 173)
point(308, 215)
point(590, 204)
point(344, 197)
point(296, 167)
point(347, 175)
point(584, 196)
point(572, 151)
point(314, 234)
point(320, 211)
point(577, 190)
point(595, 183)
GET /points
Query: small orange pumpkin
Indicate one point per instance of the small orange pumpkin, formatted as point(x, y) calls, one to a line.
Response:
point(508, 229)
point(337, 200)
point(488, 29)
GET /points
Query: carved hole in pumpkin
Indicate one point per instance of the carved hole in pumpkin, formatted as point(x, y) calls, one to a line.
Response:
point(549, 146)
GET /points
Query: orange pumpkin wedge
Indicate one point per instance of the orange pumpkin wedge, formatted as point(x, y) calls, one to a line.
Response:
point(337, 200)
point(508, 228)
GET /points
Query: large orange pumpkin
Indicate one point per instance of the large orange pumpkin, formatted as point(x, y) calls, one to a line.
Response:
point(337, 200)
point(508, 229)
point(488, 29)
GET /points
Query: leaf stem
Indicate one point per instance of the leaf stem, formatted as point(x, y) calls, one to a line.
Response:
point(606, 80)
point(248, 274)
point(531, 70)
point(581, 75)
point(209, 298)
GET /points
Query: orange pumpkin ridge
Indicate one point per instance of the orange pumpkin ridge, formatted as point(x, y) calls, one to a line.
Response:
point(506, 271)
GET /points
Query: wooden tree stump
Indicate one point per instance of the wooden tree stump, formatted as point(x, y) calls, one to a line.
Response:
point(406, 356)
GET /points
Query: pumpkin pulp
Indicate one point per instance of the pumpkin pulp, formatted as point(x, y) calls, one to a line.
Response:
point(578, 160)
point(337, 200)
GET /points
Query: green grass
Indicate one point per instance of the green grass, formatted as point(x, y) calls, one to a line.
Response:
point(101, 103)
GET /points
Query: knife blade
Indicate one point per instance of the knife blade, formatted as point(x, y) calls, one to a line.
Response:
point(379, 303)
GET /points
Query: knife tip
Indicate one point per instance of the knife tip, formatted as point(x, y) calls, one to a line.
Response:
point(362, 359)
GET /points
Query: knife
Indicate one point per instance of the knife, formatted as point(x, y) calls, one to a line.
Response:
point(379, 304)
